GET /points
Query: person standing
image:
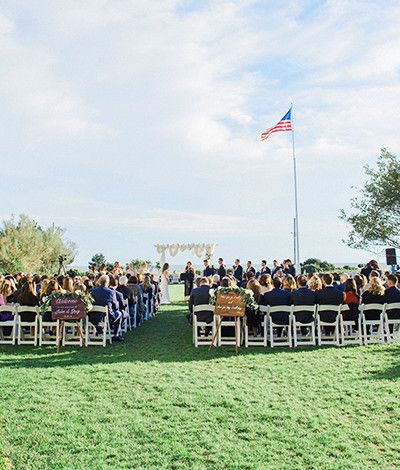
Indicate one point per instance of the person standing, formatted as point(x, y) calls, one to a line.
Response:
point(250, 268)
point(190, 274)
point(164, 284)
point(238, 271)
point(221, 268)
point(208, 270)
point(264, 268)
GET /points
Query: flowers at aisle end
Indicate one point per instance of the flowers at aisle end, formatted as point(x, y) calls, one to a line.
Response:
point(84, 297)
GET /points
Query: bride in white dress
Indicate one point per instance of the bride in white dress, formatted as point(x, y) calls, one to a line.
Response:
point(164, 284)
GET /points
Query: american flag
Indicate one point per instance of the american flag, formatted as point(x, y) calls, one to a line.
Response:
point(285, 124)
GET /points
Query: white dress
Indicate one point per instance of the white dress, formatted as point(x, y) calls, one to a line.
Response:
point(164, 289)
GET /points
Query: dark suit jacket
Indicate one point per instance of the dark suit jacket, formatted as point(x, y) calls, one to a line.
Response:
point(392, 295)
point(251, 269)
point(221, 271)
point(274, 298)
point(200, 296)
point(304, 296)
point(265, 270)
point(208, 271)
point(127, 293)
point(329, 295)
point(238, 272)
point(105, 297)
point(370, 298)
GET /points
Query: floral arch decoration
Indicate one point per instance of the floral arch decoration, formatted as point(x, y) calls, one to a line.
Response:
point(201, 250)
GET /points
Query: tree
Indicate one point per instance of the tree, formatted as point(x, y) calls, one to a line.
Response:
point(315, 265)
point(26, 246)
point(98, 259)
point(376, 212)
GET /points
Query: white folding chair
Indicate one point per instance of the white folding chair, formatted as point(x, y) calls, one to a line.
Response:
point(9, 338)
point(73, 333)
point(394, 335)
point(30, 338)
point(91, 337)
point(201, 339)
point(256, 340)
point(147, 306)
point(48, 338)
point(126, 318)
point(229, 340)
point(349, 334)
point(371, 337)
point(134, 315)
point(308, 339)
point(286, 332)
point(328, 339)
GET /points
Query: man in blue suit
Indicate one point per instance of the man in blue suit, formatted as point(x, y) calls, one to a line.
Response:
point(392, 295)
point(276, 297)
point(106, 297)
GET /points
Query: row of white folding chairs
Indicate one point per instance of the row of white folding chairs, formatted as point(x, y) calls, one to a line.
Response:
point(149, 302)
point(41, 332)
point(344, 331)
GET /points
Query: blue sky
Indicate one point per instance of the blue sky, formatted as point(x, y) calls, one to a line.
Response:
point(137, 122)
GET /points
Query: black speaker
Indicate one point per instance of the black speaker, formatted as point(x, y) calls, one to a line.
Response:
point(391, 256)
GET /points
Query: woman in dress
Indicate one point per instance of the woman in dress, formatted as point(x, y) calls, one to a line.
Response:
point(164, 283)
point(252, 317)
point(190, 274)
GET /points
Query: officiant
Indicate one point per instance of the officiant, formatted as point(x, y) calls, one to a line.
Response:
point(188, 277)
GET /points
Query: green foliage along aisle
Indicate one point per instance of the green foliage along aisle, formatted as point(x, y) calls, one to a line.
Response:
point(155, 402)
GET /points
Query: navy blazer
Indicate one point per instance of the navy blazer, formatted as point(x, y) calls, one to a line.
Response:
point(303, 296)
point(392, 295)
point(276, 297)
point(221, 271)
point(238, 272)
point(208, 271)
point(105, 297)
point(201, 296)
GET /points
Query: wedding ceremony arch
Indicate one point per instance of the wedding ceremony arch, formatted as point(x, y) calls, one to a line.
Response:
point(201, 250)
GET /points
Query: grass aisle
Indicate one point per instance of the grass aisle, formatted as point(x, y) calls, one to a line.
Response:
point(155, 401)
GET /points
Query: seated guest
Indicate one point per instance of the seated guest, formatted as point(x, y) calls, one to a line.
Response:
point(303, 296)
point(352, 299)
point(374, 294)
point(276, 297)
point(265, 281)
point(68, 284)
point(361, 281)
point(215, 281)
point(314, 283)
point(7, 292)
point(289, 283)
point(201, 296)
point(329, 295)
point(148, 291)
point(137, 296)
point(343, 278)
point(28, 298)
point(252, 318)
point(392, 295)
point(126, 292)
point(105, 297)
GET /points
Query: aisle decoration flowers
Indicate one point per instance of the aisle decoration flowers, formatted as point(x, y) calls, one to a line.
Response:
point(85, 297)
point(246, 295)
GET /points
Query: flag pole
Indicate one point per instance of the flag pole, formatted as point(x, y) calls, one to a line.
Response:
point(296, 206)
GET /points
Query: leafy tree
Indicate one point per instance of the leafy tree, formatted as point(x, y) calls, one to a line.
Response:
point(311, 268)
point(375, 219)
point(26, 246)
point(98, 259)
point(315, 265)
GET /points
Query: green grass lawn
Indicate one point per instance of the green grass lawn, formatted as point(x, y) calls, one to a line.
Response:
point(155, 401)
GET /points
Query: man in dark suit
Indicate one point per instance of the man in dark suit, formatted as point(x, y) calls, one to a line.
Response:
point(208, 270)
point(250, 268)
point(106, 297)
point(276, 297)
point(329, 295)
point(221, 269)
point(264, 268)
point(201, 296)
point(303, 296)
point(392, 295)
point(238, 271)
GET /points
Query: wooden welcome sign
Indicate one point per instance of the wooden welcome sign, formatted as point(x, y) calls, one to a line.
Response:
point(230, 305)
point(67, 308)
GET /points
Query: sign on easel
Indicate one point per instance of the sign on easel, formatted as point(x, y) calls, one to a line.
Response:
point(67, 308)
point(230, 305)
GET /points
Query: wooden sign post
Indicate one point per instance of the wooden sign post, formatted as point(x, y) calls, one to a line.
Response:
point(67, 309)
point(228, 304)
